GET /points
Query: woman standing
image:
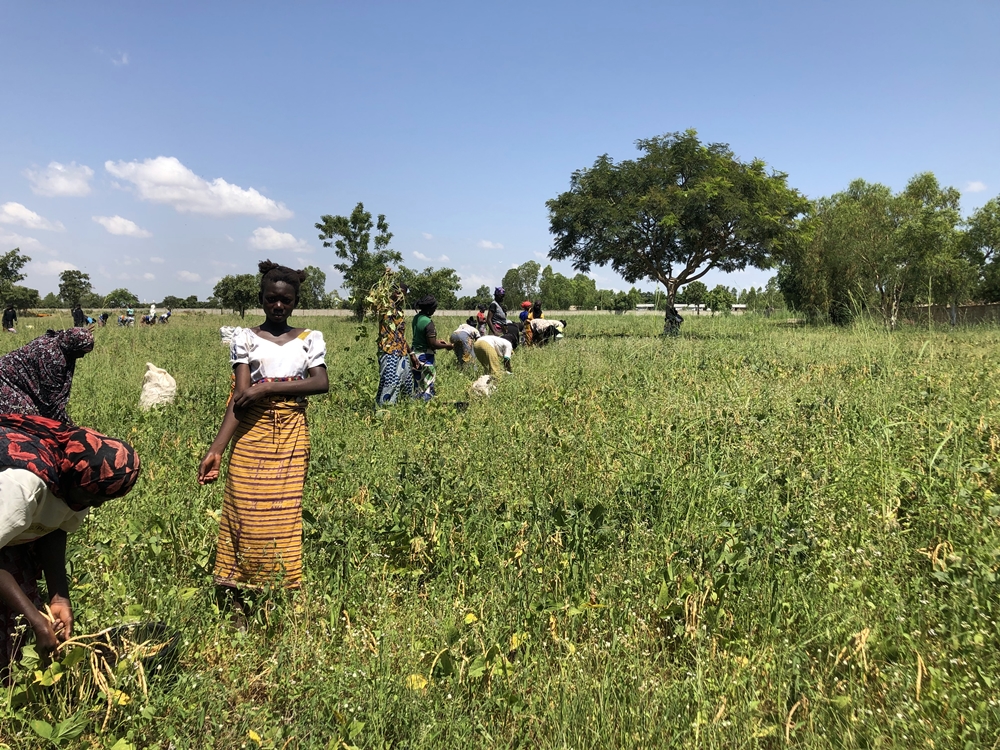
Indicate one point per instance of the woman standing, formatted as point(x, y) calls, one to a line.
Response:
point(425, 343)
point(276, 366)
point(394, 373)
point(37, 378)
point(496, 316)
point(51, 474)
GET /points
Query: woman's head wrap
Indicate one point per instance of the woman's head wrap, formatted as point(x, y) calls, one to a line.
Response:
point(38, 376)
point(427, 303)
point(499, 292)
point(525, 305)
point(67, 457)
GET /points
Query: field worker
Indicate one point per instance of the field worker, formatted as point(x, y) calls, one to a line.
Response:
point(534, 314)
point(425, 343)
point(275, 366)
point(462, 341)
point(79, 318)
point(9, 318)
point(496, 316)
point(543, 331)
point(492, 350)
point(37, 378)
point(525, 309)
point(51, 474)
point(481, 320)
point(395, 376)
point(674, 320)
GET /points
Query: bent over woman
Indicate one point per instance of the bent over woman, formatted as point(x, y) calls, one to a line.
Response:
point(51, 474)
point(275, 366)
point(37, 378)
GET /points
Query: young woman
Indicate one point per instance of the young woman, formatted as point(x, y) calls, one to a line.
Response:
point(275, 366)
point(492, 350)
point(496, 316)
point(37, 378)
point(462, 341)
point(425, 343)
point(51, 474)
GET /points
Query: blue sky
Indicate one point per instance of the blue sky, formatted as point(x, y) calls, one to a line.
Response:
point(162, 146)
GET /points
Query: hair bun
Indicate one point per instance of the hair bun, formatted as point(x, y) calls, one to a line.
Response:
point(267, 265)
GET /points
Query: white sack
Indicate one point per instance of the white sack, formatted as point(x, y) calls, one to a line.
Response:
point(158, 387)
point(483, 386)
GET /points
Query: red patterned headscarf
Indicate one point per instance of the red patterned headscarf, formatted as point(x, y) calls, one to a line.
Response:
point(67, 457)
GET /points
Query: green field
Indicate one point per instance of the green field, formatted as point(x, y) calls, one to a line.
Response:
point(751, 535)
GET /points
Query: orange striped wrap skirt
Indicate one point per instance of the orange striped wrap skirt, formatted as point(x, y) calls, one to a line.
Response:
point(260, 532)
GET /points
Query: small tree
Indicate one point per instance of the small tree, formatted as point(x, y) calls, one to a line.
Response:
point(121, 298)
point(720, 299)
point(74, 287)
point(238, 292)
point(365, 259)
point(11, 264)
point(440, 282)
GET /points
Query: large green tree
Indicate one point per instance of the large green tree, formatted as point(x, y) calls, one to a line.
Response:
point(521, 282)
point(981, 242)
point(364, 258)
point(312, 293)
point(237, 292)
point(21, 297)
point(75, 287)
point(442, 283)
point(677, 212)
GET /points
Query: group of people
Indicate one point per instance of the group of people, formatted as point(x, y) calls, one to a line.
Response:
point(408, 369)
point(52, 472)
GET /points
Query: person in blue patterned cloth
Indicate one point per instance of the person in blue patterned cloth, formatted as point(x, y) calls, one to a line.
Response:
point(395, 375)
point(425, 343)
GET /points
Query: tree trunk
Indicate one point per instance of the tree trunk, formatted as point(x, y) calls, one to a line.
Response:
point(953, 312)
point(671, 319)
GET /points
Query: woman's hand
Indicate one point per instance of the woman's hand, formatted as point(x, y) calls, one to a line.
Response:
point(63, 614)
point(45, 636)
point(244, 398)
point(208, 470)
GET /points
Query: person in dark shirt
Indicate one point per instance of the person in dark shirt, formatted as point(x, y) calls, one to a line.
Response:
point(79, 318)
point(9, 318)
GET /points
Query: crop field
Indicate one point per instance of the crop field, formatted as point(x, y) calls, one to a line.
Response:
point(754, 536)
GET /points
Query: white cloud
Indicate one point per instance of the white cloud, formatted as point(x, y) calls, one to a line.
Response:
point(420, 256)
point(538, 254)
point(20, 241)
point(148, 276)
point(427, 235)
point(165, 180)
point(60, 179)
point(474, 281)
point(118, 225)
point(487, 245)
point(49, 268)
point(15, 213)
point(442, 258)
point(155, 259)
point(188, 276)
point(976, 186)
point(269, 238)
point(122, 59)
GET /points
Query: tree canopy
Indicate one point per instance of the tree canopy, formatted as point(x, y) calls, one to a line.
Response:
point(312, 293)
point(11, 264)
point(521, 282)
point(237, 292)
point(364, 259)
point(679, 211)
point(121, 298)
point(74, 287)
point(440, 282)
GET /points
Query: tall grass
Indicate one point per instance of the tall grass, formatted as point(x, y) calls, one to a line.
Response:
point(751, 535)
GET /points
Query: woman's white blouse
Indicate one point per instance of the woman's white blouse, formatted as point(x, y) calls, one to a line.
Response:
point(28, 510)
point(266, 359)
